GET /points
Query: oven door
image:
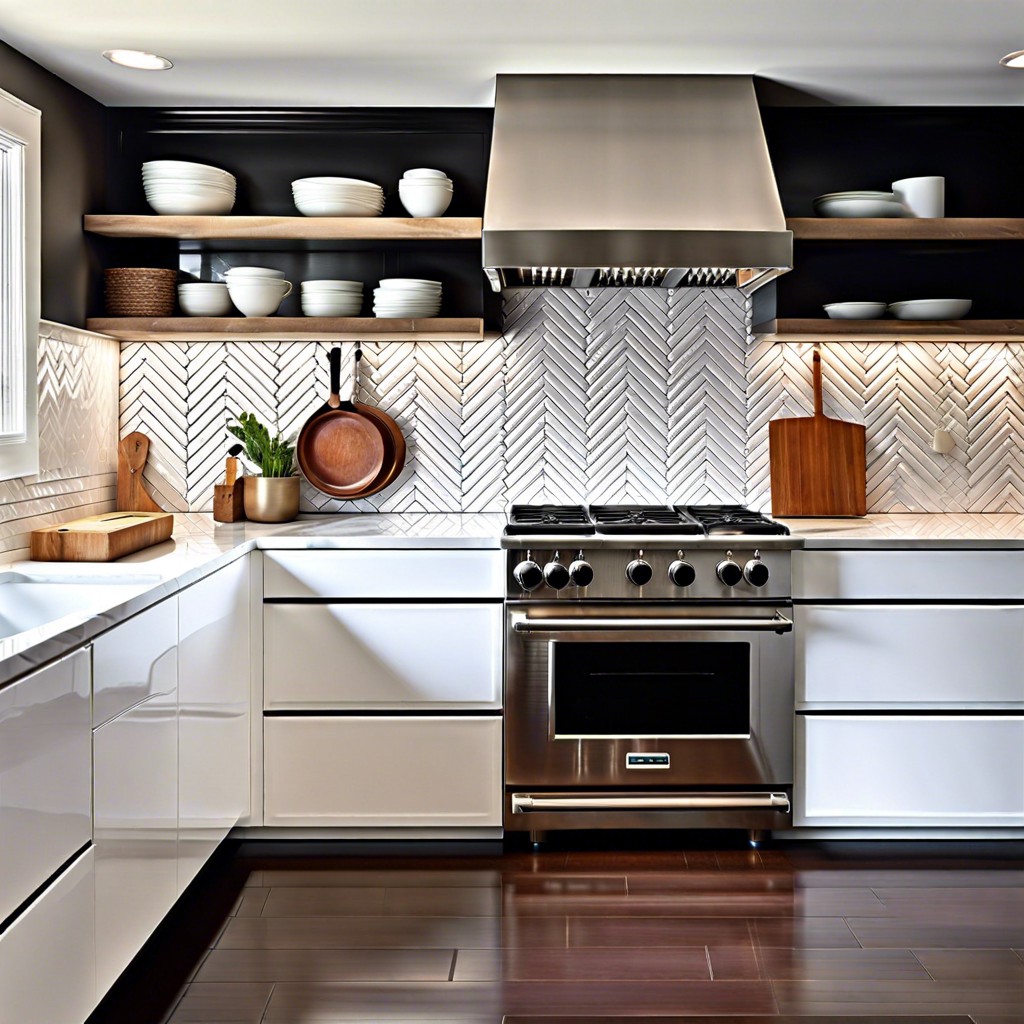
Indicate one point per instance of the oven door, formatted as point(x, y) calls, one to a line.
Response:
point(649, 697)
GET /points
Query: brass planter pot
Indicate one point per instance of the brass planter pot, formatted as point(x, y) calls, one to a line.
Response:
point(271, 499)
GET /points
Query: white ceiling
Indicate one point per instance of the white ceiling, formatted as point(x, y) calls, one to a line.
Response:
point(446, 52)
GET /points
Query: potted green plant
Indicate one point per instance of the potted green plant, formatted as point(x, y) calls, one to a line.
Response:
point(272, 497)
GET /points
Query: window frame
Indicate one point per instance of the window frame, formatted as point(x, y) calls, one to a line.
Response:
point(20, 138)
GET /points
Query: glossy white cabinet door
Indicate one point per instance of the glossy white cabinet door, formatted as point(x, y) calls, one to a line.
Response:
point(376, 771)
point(129, 664)
point(45, 766)
point(135, 794)
point(909, 770)
point(885, 654)
point(405, 575)
point(213, 710)
point(376, 656)
point(47, 956)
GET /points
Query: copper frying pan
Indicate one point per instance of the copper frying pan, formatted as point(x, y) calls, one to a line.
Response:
point(341, 451)
point(394, 441)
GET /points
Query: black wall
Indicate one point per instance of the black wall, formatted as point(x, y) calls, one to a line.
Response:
point(73, 168)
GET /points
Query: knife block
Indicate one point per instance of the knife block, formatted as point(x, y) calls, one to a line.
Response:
point(227, 502)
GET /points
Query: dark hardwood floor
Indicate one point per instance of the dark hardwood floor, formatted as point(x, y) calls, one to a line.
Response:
point(594, 927)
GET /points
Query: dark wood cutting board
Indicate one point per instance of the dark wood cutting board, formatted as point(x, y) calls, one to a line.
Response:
point(818, 464)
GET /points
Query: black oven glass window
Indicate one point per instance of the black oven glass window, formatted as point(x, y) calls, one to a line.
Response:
point(651, 689)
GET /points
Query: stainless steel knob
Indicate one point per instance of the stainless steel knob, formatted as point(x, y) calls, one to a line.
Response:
point(755, 572)
point(556, 576)
point(639, 572)
point(528, 575)
point(681, 573)
point(728, 571)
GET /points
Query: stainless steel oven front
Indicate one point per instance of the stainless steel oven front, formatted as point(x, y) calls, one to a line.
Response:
point(650, 715)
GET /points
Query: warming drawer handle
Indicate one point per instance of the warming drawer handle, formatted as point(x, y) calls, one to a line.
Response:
point(523, 803)
point(776, 624)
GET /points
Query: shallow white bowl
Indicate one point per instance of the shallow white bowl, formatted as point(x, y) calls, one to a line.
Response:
point(237, 273)
point(327, 179)
point(855, 310)
point(186, 186)
point(398, 282)
point(887, 196)
point(184, 167)
point(428, 173)
point(204, 305)
point(417, 204)
point(859, 208)
point(332, 286)
point(340, 308)
point(175, 203)
point(336, 208)
point(931, 309)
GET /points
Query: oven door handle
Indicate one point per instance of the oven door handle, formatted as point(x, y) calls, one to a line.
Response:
point(778, 623)
point(524, 803)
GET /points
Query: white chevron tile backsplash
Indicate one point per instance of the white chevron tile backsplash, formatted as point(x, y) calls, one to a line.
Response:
point(608, 395)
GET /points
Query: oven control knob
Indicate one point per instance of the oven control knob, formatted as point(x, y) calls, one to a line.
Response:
point(581, 573)
point(681, 573)
point(755, 572)
point(729, 572)
point(639, 572)
point(528, 575)
point(556, 576)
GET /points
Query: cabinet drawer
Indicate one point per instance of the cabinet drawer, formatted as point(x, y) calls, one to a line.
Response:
point(135, 661)
point(374, 772)
point(377, 656)
point(45, 768)
point(910, 770)
point(47, 955)
point(397, 574)
point(899, 654)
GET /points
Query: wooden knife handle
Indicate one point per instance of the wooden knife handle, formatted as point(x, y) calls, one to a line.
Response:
point(819, 409)
point(230, 471)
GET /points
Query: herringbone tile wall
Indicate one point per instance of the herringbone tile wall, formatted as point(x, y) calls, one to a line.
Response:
point(617, 395)
point(78, 374)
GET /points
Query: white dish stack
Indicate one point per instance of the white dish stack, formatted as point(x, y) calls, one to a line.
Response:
point(178, 187)
point(332, 298)
point(412, 297)
point(859, 204)
point(337, 197)
point(425, 192)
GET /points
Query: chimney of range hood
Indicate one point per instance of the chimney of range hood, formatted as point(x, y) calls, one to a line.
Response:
point(657, 180)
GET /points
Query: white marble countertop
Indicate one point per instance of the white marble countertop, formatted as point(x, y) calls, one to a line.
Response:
point(199, 546)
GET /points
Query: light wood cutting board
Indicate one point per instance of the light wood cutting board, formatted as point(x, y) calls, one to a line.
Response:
point(100, 538)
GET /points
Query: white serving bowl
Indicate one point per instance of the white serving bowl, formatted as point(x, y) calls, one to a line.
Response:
point(408, 282)
point(931, 309)
point(259, 298)
point(195, 190)
point(858, 208)
point(204, 299)
point(887, 196)
point(420, 202)
point(336, 208)
point(330, 179)
point(426, 173)
point(186, 204)
point(184, 167)
point(332, 286)
point(331, 307)
point(241, 273)
point(855, 310)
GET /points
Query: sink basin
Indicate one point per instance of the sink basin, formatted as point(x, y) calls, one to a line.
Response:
point(27, 602)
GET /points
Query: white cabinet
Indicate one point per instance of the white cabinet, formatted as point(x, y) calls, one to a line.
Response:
point(47, 955)
point(376, 656)
point(872, 654)
point(919, 770)
point(45, 767)
point(135, 788)
point(370, 771)
point(213, 714)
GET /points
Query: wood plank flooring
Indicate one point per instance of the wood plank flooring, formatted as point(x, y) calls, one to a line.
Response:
point(314, 932)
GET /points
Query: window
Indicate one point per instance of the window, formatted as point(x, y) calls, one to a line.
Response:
point(19, 286)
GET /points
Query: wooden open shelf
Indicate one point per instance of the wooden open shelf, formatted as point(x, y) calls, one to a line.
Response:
point(384, 229)
point(909, 229)
point(272, 328)
point(812, 330)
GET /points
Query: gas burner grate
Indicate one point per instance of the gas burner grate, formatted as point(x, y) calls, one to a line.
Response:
point(541, 519)
point(654, 519)
point(726, 520)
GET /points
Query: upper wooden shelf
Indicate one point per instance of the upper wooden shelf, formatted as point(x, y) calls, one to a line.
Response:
point(812, 330)
point(384, 229)
point(852, 229)
point(273, 328)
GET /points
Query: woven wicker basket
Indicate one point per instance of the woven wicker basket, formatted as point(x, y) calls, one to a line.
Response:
point(140, 291)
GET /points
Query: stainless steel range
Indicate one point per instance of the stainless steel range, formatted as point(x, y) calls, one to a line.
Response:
point(649, 669)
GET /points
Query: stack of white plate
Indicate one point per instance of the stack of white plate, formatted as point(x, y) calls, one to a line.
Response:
point(337, 197)
point(859, 204)
point(184, 188)
point(407, 297)
point(332, 298)
point(425, 192)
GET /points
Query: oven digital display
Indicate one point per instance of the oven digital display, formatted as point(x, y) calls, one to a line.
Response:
point(637, 690)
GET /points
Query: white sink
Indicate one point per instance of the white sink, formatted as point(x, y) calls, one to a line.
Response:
point(27, 602)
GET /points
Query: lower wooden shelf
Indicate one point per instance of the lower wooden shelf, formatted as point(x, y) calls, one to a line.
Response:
point(273, 328)
point(811, 330)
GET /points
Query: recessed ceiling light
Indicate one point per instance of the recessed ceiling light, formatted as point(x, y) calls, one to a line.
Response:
point(138, 59)
point(1013, 60)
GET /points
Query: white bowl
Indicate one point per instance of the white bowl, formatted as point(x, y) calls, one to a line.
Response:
point(342, 307)
point(336, 208)
point(238, 273)
point(858, 208)
point(183, 204)
point(259, 298)
point(931, 309)
point(183, 167)
point(398, 282)
point(329, 179)
point(429, 173)
point(193, 304)
point(332, 286)
point(420, 204)
point(204, 190)
point(887, 196)
point(855, 310)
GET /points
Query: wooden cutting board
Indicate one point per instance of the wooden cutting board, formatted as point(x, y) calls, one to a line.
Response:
point(100, 538)
point(818, 464)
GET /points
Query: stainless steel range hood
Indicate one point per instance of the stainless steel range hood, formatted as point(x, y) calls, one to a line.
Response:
point(632, 180)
